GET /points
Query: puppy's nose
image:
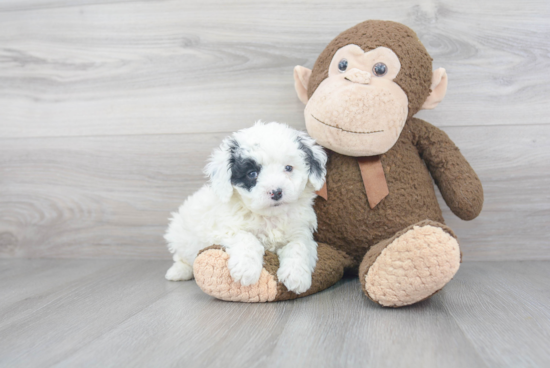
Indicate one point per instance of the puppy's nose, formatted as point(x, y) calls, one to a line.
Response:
point(276, 194)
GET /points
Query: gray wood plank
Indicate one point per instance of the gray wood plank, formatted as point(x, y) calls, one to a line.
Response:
point(342, 328)
point(28, 284)
point(188, 329)
point(118, 68)
point(335, 328)
point(493, 314)
point(54, 322)
point(111, 196)
point(502, 307)
point(513, 165)
point(89, 195)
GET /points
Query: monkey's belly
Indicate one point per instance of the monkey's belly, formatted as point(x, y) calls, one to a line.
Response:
point(346, 221)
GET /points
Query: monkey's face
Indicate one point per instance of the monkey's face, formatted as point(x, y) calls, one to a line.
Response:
point(365, 85)
point(358, 110)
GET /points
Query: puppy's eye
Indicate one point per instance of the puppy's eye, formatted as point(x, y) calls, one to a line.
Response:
point(342, 65)
point(252, 174)
point(379, 69)
point(288, 168)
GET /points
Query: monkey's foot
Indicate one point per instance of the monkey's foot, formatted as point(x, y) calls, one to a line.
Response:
point(411, 266)
point(212, 276)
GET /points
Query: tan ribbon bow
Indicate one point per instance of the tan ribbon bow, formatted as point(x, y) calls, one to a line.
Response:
point(373, 177)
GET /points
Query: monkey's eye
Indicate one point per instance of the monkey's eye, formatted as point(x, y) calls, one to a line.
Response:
point(379, 69)
point(342, 65)
point(288, 168)
point(252, 174)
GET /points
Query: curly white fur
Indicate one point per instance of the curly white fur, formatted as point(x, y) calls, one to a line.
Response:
point(246, 220)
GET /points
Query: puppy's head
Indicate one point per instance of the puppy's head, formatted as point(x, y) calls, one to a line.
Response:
point(269, 165)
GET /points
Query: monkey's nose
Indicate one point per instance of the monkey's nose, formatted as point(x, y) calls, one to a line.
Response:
point(358, 76)
point(276, 194)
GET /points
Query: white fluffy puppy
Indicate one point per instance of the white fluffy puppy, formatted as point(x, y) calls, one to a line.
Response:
point(260, 197)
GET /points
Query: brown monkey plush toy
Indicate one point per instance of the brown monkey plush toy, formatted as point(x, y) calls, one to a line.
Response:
point(378, 216)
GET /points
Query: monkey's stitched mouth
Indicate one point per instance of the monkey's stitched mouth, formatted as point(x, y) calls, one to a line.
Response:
point(344, 130)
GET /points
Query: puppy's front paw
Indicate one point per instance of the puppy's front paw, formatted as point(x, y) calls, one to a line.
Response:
point(245, 268)
point(295, 278)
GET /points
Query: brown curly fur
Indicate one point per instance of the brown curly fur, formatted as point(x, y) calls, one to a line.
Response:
point(346, 221)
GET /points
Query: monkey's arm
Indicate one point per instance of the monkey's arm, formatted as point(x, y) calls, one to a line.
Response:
point(457, 181)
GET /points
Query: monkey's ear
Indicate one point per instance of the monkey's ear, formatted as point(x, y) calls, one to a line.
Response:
point(219, 172)
point(301, 80)
point(438, 87)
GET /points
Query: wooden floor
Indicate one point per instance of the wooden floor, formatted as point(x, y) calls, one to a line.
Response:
point(120, 313)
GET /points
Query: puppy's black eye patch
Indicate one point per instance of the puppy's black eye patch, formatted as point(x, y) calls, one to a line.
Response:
point(244, 171)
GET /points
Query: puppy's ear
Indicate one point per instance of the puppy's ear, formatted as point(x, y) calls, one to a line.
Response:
point(218, 169)
point(316, 159)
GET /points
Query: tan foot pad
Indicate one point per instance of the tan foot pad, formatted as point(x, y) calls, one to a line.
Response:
point(413, 267)
point(212, 276)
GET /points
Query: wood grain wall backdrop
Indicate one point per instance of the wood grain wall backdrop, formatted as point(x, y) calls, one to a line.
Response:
point(109, 109)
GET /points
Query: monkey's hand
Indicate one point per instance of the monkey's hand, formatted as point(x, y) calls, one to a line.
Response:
point(457, 181)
